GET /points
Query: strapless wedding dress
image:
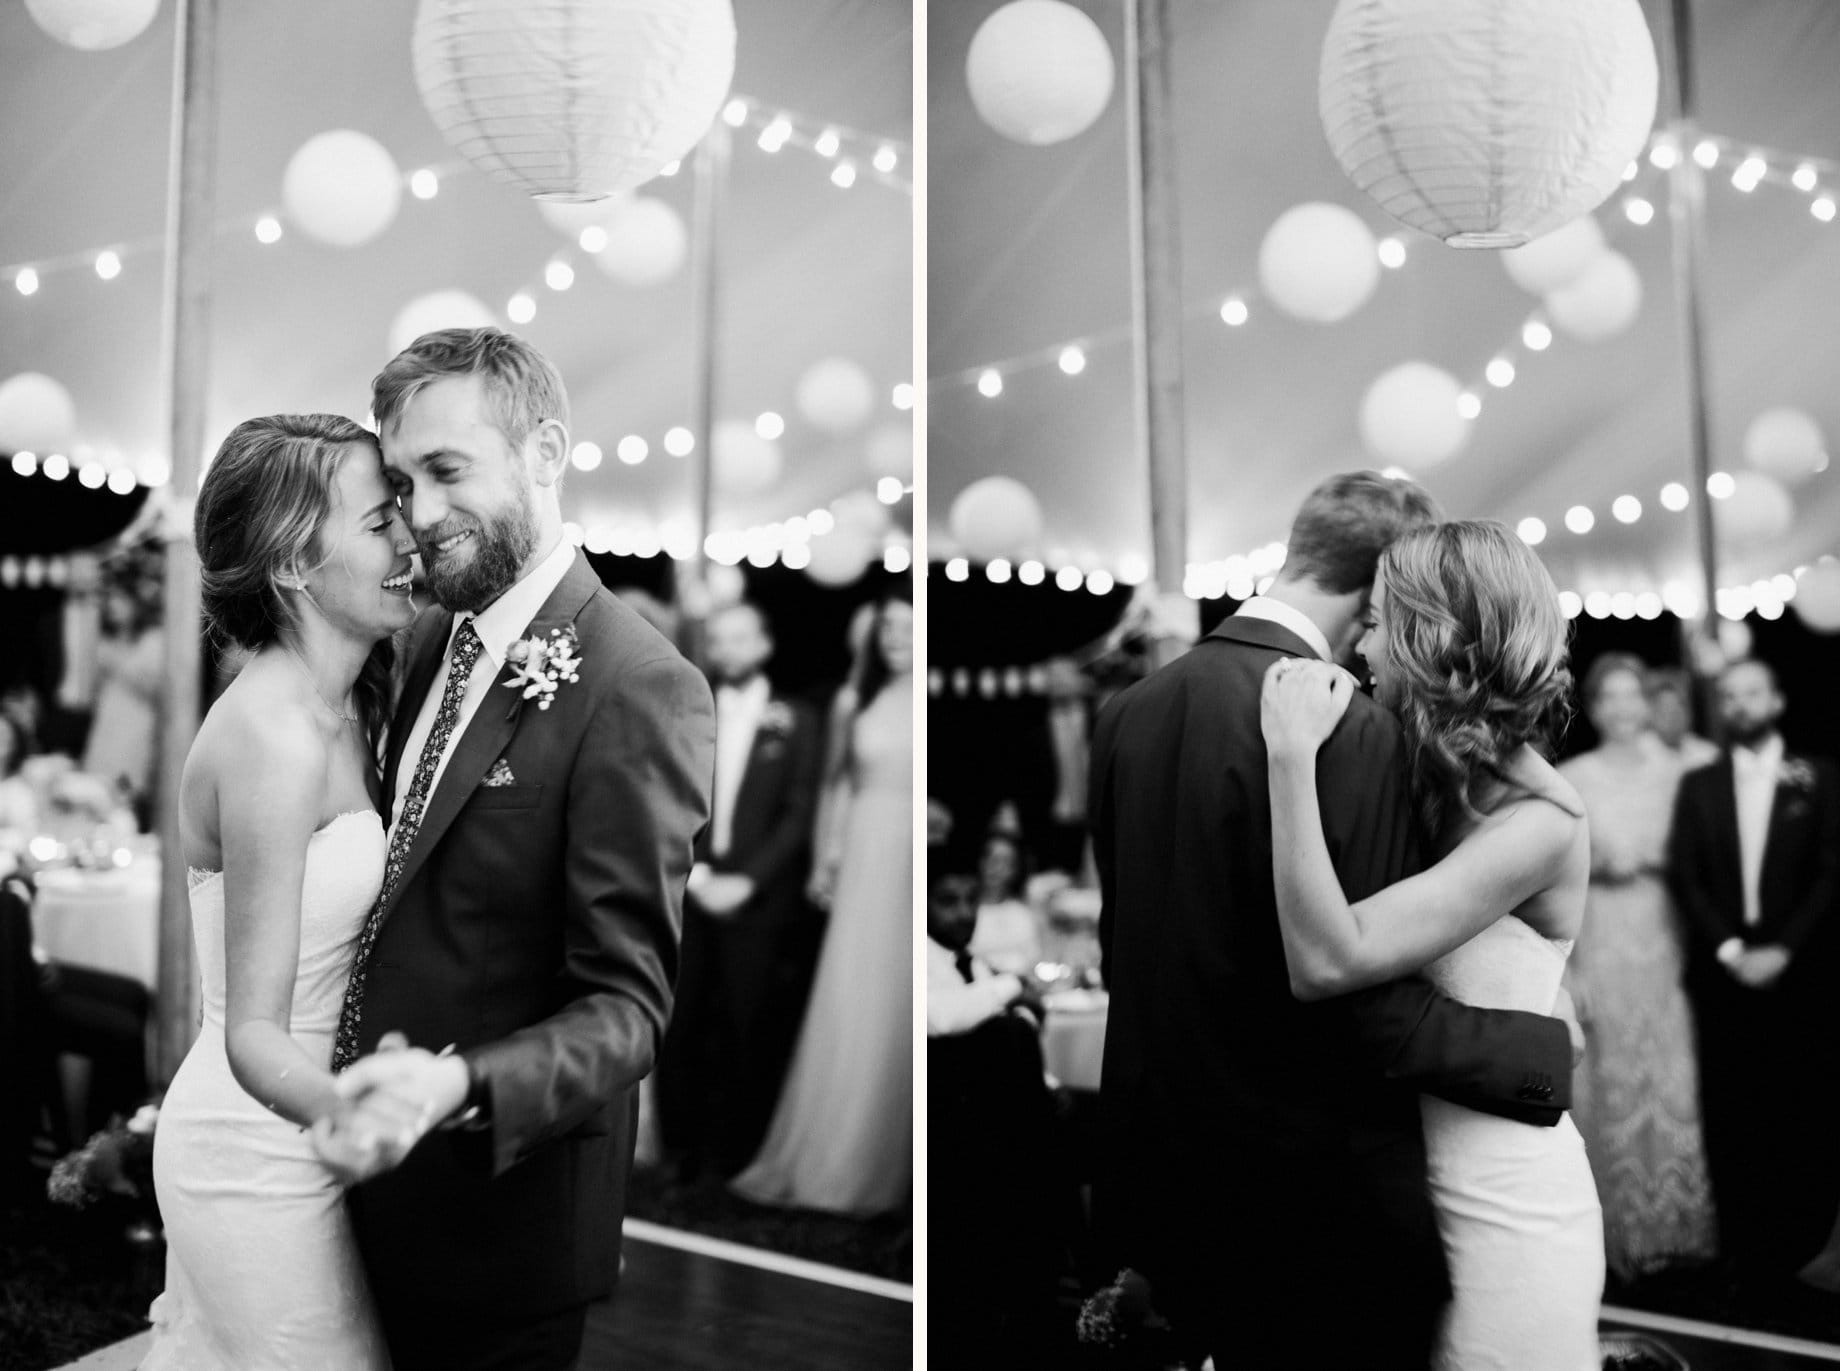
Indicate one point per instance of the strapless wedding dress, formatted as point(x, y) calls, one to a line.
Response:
point(1515, 1203)
point(261, 1270)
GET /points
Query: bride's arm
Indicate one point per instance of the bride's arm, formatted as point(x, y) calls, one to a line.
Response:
point(1331, 946)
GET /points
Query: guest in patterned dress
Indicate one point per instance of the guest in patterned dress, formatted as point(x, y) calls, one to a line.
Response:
point(1636, 1099)
point(1670, 711)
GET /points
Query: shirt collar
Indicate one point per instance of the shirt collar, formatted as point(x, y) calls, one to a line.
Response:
point(1766, 758)
point(503, 622)
point(755, 692)
point(1288, 616)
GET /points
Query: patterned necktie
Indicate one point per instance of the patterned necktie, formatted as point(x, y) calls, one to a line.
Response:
point(466, 648)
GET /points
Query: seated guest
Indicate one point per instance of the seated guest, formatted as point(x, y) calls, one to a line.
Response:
point(1670, 707)
point(18, 800)
point(1008, 931)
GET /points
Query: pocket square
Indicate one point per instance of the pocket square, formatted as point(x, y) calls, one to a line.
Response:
point(500, 774)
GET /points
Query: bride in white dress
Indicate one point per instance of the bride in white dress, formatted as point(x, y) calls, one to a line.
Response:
point(1467, 645)
point(306, 564)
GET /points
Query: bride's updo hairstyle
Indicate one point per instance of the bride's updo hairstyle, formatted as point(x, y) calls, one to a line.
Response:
point(1478, 644)
point(264, 500)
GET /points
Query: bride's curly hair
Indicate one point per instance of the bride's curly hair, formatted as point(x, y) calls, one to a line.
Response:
point(1475, 637)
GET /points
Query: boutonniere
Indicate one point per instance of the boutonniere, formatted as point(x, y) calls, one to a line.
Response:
point(1795, 774)
point(777, 719)
point(540, 665)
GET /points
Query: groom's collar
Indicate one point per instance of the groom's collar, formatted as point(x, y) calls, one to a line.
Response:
point(505, 620)
point(1263, 607)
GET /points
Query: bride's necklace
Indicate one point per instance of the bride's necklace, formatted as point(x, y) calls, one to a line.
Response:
point(348, 718)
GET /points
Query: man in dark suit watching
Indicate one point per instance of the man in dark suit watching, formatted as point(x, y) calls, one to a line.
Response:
point(1263, 1161)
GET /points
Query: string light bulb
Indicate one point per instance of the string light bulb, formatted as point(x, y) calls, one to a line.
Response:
point(843, 175)
point(1674, 497)
point(1536, 335)
point(1391, 252)
point(1805, 177)
point(632, 449)
point(268, 229)
point(990, 383)
point(558, 275)
point(1500, 372)
point(1626, 508)
point(1579, 519)
point(827, 144)
point(886, 159)
point(903, 396)
point(1638, 211)
point(735, 113)
point(1072, 360)
point(1233, 311)
point(520, 308)
point(424, 184)
point(108, 264)
point(26, 282)
point(679, 441)
point(1706, 153)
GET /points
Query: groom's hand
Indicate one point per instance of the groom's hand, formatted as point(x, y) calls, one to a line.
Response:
point(392, 1099)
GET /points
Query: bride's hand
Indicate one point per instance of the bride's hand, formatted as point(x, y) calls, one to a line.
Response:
point(1301, 703)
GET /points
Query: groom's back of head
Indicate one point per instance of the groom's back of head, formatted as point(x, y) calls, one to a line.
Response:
point(1347, 522)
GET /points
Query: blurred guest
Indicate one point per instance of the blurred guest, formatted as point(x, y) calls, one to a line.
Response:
point(938, 823)
point(1008, 932)
point(1755, 865)
point(1636, 1095)
point(18, 801)
point(22, 703)
point(1670, 705)
point(1069, 734)
point(841, 1136)
point(747, 950)
point(130, 664)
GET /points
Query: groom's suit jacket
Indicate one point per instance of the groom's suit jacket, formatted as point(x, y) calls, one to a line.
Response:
point(1238, 1121)
point(536, 926)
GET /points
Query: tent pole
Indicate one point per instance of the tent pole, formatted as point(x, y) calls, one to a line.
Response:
point(712, 158)
point(1156, 290)
point(191, 194)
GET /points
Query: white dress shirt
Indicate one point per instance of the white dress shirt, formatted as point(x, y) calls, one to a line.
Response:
point(1288, 616)
point(499, 625)
point(738, 713)
point(955, 1005)
point(1754, 776)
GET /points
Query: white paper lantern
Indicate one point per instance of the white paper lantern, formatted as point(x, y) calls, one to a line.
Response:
point(1786, 443)
point(744, 462)
point(1409, 417)
point(570, 217)
point(92, 25)
point(1318, 262)
point(36, 414)
point(840, 557)
point(1817, 596)
point(996, 517)
point(342, 187)
point(1555, 259)
point(890, 451)
point(1040, 71)
point(646, 243)
point(438, 310)
point(1602, 302)
point(1757, 510)
point(836, 395)
point(574, 99)
point(1487, 124)
point(861, 511)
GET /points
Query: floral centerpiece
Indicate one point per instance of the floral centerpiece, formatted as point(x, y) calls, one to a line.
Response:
point(118, 1161)
point(1120, 1326)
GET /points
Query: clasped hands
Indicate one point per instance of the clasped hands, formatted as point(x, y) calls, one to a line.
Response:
point(388, 1103)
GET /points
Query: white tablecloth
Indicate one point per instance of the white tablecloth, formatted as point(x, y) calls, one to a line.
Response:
point(1073, 1039)
point(107, 920)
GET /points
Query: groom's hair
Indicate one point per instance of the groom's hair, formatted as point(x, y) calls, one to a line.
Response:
point(1347, 522)
point(522, 388)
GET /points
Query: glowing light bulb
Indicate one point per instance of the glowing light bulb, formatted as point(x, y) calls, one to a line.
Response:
point(679, 441)
point(1580, 520)
point(424, 184)
point(1233, 312)
point(108, 264)
point(632, 449)
point(1500, 372)
point(268, 229)
point(586, 456)
point(1072, 361)
point(1391, 252)
point(558, 275)
point(1626, 508)
point(843, 175)
point(903, 396)
point(990, 383)
point(1532, 531)
point(1638, 211)
point(1674, 496)
point(520, 308)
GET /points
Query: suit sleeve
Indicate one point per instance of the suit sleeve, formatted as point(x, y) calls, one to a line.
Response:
point(1497, 1061)
point(789, 840)
point(1822, 891)
point(638, 797)
point(1099, 823)
point(1689, 849)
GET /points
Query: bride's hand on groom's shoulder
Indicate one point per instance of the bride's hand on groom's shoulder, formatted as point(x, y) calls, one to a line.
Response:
point(1301, 704)
point(390, 1101)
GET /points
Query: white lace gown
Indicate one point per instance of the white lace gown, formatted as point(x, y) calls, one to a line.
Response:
point(261, 1270)
point(1515, 1203)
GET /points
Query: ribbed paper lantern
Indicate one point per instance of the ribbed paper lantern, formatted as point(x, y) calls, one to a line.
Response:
point(1487, 124)
point(1817, 596)
point(744, 462)
point(36, 414)
point(1785, 443)
point(1318, 263)
point(1040, 71)
point(342, 187)
point(1409, 416)
point(840, 557)
point(1757, 510)
point(438, 310)
point(890, 451)
point(570, 217)
point(1555, 259)
point(92, 25)
point(1601, 303)
point(996, 517)
point(836, 395)
point(574, 99)
point(646, 243)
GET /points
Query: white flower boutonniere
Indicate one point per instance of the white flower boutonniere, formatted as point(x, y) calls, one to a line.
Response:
point(777, 718)
point(1796, 774)
point(540, 665)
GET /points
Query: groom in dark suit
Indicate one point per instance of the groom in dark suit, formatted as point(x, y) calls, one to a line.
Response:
point(547, 776)
point(1755, 865)
point(1263, 1161)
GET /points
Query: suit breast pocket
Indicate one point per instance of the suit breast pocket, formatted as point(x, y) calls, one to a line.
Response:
point(505, 797)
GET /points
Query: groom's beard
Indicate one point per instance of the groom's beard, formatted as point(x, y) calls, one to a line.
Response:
point(499, 550)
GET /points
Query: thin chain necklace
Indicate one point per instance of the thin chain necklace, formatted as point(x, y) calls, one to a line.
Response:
point(348, 718)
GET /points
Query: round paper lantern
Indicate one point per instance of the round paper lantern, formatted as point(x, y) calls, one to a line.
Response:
point(1040, 71)
point(996, 517)
point(840, 557)
point(744, 462)
point(438, 310)
point(890, 451)
point(36, 414)
point(1555, 259)
point(861, 511)
point(646, 243)
point(574, 99)
point(1318, 262)
point(342, 188)
point(1602, 302)
point(1757, 510)
point(836, 395)
point(92, 25)
point(570, 217)
point(1487, 125)
point(1786, 443)
point(1817, 596)
point(1409, 416)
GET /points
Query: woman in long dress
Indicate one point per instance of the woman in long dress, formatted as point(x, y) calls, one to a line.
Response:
point(841, 1135)
point(1636, 1095)
point(1467, 644)
point(306, 564)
